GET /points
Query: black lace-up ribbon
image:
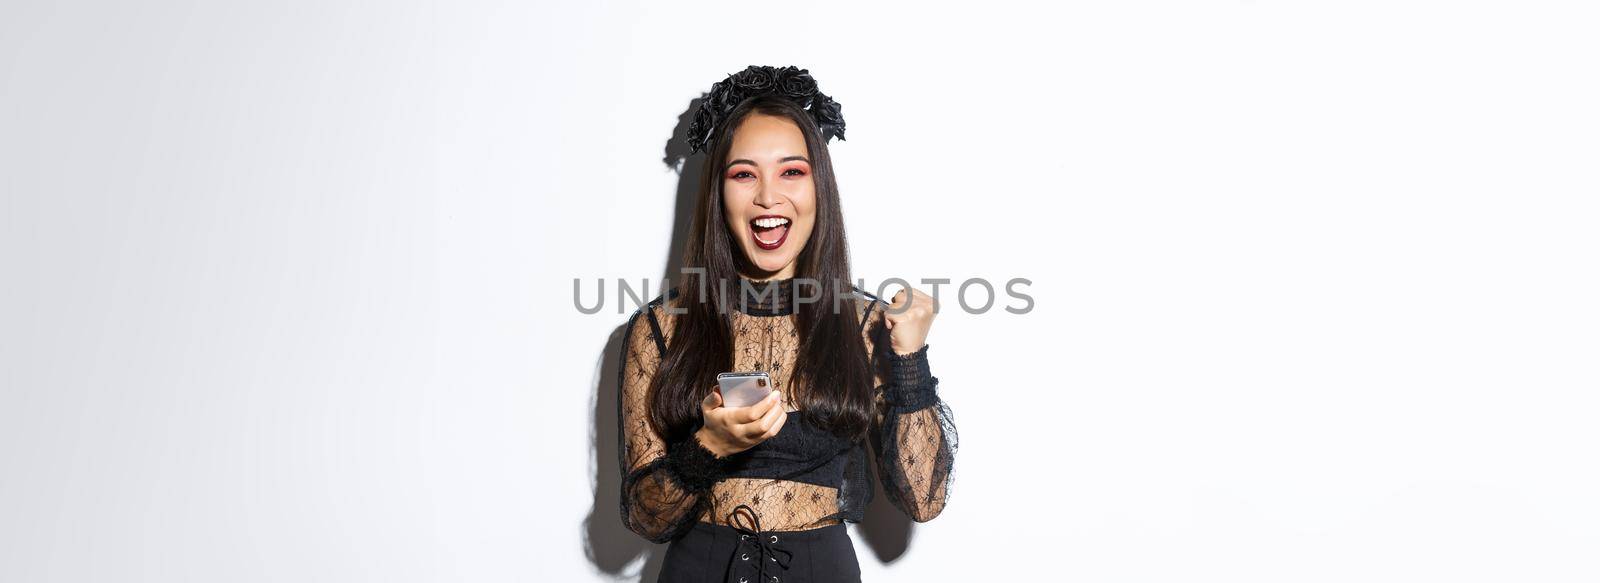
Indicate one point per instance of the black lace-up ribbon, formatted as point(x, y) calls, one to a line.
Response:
point(752, 539)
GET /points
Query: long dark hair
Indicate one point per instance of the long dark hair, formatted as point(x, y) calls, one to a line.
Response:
point(832, 368)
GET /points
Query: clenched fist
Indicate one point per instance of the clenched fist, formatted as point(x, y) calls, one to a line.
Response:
point(908, 317)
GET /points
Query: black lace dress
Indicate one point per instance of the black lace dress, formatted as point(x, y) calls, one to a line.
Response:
point(802, 478)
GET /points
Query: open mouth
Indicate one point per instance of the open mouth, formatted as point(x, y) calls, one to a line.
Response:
point(769, 231)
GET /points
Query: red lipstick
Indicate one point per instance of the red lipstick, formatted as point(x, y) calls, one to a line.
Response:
point(769, 231)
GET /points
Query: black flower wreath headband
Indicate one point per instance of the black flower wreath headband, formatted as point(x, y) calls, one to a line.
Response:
point(790, 83)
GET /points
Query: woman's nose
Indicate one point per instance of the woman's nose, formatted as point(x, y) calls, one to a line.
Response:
point(766, 195)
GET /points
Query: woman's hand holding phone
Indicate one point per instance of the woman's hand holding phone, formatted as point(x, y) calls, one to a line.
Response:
point(730, 430)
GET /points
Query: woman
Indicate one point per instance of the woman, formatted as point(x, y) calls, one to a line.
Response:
point(761, 492)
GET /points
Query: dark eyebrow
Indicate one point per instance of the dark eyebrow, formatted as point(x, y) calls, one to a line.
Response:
point(785, 159)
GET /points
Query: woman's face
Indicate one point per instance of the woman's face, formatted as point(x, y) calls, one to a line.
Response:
point(768, 195)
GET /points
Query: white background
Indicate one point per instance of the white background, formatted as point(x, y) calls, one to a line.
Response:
point(288, 285)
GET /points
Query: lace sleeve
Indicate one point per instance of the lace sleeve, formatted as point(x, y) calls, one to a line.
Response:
point(665, 486)
point(914, 433)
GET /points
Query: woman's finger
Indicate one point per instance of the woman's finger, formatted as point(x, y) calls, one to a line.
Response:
point(773, 431)
point(778, 414)
point(771, 418)
point(754, 412)
point(712, 401)
point(760, 425)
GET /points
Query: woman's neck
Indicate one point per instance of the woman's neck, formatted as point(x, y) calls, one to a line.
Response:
point(773, 296)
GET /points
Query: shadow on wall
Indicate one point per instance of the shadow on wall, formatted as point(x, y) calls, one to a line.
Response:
point(607, 542)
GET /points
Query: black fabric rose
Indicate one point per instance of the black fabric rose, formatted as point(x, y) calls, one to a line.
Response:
point(798, 86)
point(829, 117)
point(700, 128)
point(723, 98)
point(753, 79)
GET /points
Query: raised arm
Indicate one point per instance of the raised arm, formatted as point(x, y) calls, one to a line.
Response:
point(914, 434)
point(665, 486)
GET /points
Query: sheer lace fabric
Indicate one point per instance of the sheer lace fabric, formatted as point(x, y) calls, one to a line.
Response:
point(805, 478)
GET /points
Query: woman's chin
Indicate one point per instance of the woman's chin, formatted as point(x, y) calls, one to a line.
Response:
point(766, 263)
point(771, 268)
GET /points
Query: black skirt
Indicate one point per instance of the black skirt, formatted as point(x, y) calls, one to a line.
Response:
point(713, 552)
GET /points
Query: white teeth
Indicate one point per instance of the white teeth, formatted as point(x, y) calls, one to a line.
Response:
point(770, 222)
